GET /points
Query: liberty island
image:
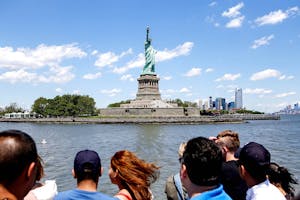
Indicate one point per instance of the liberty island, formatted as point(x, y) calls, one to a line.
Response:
point(148, 106)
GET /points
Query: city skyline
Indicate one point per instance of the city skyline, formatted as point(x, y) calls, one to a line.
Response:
point(204, 48)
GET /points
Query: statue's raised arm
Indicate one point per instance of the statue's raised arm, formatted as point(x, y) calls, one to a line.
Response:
point(149, 67)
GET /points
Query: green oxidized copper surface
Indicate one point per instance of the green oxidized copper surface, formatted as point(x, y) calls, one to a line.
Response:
point(149, 67)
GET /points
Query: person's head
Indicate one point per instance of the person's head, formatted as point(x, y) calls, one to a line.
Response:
point(281, 178)
point(18, 162)
point(181, 149)
point(201, 163)
point(134, 174)
point(255, 159)
point(87, 166)
point(228, 141)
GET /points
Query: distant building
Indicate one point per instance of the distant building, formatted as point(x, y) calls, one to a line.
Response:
point(220, 103)
point(211, 105)
point(238, 98)
point(200, 103)
point(205, 105)
point(296, 106)
point(231, 105)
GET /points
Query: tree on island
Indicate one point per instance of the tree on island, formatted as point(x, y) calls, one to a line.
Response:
point(118, 104)
point(64, 106)
point(11, 108)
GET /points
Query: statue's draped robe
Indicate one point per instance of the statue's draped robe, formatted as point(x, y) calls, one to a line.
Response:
point(149, 67)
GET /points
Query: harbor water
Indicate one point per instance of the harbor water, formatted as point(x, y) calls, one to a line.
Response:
point(58, 143)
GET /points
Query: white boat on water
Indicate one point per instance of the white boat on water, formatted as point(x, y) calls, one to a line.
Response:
point(44, 141)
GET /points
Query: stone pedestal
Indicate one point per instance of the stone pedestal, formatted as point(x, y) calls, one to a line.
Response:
point(148, 87)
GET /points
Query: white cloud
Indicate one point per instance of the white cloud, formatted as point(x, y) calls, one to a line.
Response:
point(160, 56)
point(108, 58)
point(275, 17)
point(168, 91)
point(137, 62)
point(285, 94)
point(76, 92)
point(209, 70)
point(111, 92)
point(95, 52)
point(180, 50)
point(92, 76)
point(235, 15)
point(23, 63)
point(167, 78)
point(262, 41)
point(214, 3)
point(229, 77)
point(236, 22)
point(233, 11)
point(268, 73)
point(56, 74)
point(59, 90)
point(184, 90)
point(284, 77)
point(127, 77)
point(193, 72)
point(41, 56)
point(259, 91)
point(18, 76)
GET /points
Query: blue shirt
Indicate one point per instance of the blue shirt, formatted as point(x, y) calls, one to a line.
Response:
point(215, 194)
point(82, 194)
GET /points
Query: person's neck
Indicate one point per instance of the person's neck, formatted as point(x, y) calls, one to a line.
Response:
point(252, 182)
point(5, 194)
point(230, 156)
point(87, 185)
point(196, 190)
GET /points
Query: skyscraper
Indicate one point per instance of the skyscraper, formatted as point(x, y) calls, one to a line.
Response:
point(238, 98)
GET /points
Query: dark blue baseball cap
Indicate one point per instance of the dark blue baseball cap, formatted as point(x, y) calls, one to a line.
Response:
point(87, 161)
point(253, 156)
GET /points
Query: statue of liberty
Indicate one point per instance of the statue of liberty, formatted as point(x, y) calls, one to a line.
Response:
point(149, 67)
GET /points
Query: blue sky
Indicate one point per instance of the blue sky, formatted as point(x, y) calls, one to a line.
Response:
point(204, 48)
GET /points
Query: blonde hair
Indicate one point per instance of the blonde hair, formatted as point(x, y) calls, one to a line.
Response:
point(230, 139)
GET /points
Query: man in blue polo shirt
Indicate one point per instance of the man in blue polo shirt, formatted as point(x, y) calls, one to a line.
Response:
point(200, 168)
point(87, 169)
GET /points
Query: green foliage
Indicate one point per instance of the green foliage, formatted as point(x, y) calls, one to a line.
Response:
point(117, 104)
point(184, 104)
point(13, 107)
point(66, 105)
point(244, 111)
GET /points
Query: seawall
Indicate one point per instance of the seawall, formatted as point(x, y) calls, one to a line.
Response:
point(149, 120)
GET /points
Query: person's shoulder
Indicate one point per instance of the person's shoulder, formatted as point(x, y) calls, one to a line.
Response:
point(64, 195)
point(103, 196)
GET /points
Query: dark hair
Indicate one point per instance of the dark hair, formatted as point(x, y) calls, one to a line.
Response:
point(88, 173)
point(203, 161)
point(281, 175)
point(17, 151)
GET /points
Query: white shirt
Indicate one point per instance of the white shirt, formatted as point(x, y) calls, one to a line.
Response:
point(45, 192)
point(263, 191)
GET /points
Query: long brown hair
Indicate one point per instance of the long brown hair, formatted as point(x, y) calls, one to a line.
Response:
point(134, 174)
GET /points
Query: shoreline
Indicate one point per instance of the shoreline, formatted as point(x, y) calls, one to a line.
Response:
point(148, 119)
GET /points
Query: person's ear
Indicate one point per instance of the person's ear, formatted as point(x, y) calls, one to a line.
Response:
point(101, 171)
point(32, 170)
point(243, 171)
point(183, 171)
point(73, 173)
point(225, 149)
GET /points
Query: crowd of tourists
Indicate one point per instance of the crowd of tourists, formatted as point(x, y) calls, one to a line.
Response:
point(209, 168)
